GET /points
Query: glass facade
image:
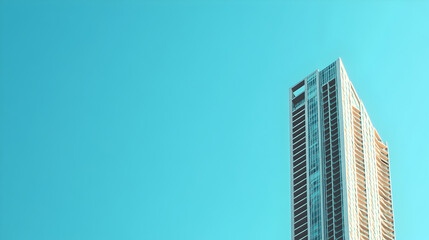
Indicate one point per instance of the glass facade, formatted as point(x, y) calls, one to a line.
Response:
point(314, 158)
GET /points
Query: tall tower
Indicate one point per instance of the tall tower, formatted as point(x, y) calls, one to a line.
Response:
point(340, 171)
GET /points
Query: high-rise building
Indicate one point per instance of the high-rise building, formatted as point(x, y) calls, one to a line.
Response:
point(340, 171)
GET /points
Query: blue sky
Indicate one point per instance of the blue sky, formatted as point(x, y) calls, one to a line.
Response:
point(169, 120)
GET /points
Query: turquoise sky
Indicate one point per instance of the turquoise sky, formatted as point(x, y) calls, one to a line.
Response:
point(169, 120)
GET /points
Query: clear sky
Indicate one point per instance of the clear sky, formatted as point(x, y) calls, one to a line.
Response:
point(169, 120)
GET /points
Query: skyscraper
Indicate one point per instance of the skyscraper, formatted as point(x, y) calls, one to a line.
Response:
point(340, 171)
